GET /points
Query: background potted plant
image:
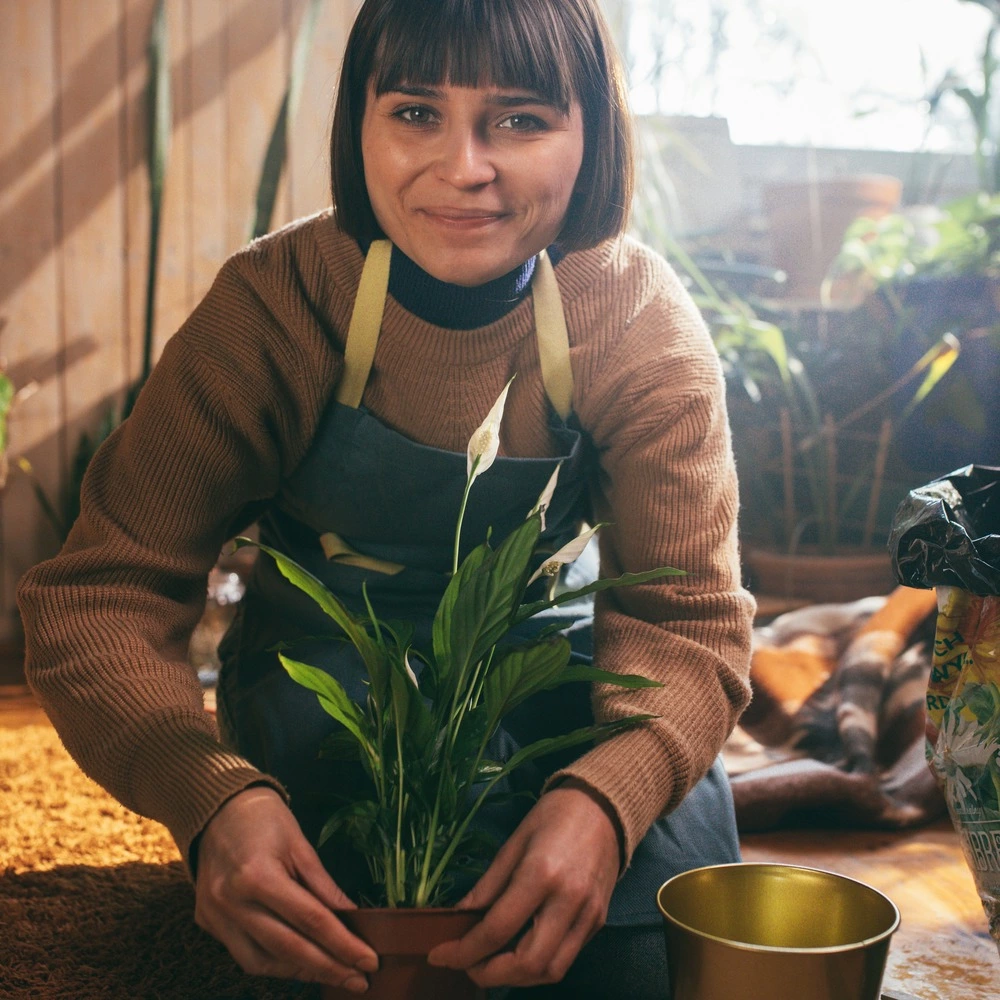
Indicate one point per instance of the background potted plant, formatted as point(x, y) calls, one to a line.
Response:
point(816, 407)
point(422, 736)
point(922, 274)
point(934, 269)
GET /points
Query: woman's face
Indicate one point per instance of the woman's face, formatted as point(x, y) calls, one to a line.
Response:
point(469, 182)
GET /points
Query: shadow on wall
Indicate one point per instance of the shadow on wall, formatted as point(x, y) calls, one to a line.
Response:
point(76, 153)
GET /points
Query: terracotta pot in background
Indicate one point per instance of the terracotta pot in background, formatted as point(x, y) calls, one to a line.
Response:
point(809, 576)
point(807, 221)
point(402, 939)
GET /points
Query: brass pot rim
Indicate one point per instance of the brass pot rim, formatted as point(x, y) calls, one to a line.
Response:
point(747, 946)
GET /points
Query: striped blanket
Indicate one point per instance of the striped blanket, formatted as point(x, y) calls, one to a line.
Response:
point(834, 735)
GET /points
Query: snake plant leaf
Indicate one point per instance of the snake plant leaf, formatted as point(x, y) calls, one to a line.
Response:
point(332, 696)
point(374, 658)
point(527, 611)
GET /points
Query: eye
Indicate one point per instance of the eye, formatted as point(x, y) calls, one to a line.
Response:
point(521, 122)
point(415, 114)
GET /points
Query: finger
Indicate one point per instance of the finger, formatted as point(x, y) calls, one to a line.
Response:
point(531, 962)
point(279, 950)
point(530, 959)
point(504, 919)
point(298, 908)
point(496, 878)
point(566, 953)
point(317, 879)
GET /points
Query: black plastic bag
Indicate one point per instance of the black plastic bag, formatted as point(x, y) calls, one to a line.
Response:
point(947, 533)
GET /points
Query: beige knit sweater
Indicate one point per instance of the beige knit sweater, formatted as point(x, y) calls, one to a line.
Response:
point(230, 410)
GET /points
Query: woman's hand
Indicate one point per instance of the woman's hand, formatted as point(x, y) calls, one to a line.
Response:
point(263, 892)
point(555, 875)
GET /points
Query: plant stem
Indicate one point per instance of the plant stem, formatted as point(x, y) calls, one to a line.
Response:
point(458, 834)
point(400, 874)
point(461, 512)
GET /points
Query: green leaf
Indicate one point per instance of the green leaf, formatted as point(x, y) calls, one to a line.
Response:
point(937, 361)
point(527, 611)
point(340, 745)
point(374, 658)
point(595, 733)
point(593, 675)
point(522, 671)
point(356, 819)
point(476, 609)
point(332, 696)
point(158, 100)
point(277, 146)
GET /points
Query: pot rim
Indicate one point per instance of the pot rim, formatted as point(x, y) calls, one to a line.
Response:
point(778, 949)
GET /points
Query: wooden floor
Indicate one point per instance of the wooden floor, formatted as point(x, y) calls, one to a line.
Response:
point(941, 951)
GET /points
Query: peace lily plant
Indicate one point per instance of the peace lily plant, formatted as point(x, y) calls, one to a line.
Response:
point(422, 739)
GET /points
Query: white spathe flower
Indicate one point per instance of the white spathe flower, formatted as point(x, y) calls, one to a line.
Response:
point(485, 441)
point(409, 669)
point(542, 505)
point(567, 554)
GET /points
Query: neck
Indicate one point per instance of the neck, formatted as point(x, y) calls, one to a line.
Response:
point(457, 307)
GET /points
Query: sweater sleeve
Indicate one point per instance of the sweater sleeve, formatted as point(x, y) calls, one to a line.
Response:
point(666, 485)
point(227, 410)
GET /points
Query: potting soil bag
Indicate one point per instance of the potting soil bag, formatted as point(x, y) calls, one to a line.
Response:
point(946, 535)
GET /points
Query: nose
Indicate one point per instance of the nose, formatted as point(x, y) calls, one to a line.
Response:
point(465, 159)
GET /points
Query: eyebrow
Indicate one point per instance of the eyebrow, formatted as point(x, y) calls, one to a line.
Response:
point(501, 99)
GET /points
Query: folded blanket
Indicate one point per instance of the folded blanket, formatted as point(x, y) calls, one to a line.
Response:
point(834, 735)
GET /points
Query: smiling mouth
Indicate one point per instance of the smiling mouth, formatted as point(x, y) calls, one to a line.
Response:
point(462, 218)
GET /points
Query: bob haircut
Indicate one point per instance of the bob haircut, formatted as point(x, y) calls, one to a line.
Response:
point(560, 49)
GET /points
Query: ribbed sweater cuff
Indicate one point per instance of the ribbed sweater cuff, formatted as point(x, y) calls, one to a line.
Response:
point(640, 776)
point(182, 775)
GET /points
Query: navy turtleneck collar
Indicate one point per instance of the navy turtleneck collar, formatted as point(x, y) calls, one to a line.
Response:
point(456, 307)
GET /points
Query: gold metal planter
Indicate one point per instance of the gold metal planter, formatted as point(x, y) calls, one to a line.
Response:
point(774, 932)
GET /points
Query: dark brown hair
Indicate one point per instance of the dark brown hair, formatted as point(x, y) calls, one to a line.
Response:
point(561, 49)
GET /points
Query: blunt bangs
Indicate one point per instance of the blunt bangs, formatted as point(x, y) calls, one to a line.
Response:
point(468, 43)
point(560, 50)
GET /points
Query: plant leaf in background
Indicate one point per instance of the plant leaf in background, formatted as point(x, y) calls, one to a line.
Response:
point(6, 401)
point(158, 103)
point(277, 147)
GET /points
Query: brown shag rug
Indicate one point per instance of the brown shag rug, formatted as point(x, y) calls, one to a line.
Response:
point(94, 900)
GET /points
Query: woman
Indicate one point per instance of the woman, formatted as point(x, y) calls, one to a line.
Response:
point(475, 136)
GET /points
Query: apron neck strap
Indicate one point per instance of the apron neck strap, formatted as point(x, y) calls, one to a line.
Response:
point(366, 322)
point(553, 340)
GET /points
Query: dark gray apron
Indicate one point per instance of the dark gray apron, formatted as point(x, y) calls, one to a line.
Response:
point(393, 499)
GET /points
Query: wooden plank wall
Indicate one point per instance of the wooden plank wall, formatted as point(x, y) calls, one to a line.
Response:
point(74, 214)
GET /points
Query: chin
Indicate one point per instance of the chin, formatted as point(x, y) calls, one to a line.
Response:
point(466, 270)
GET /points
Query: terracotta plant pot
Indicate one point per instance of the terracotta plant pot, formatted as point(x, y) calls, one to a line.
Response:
point(808, 219)
point(809, 576)
point(402, 939)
